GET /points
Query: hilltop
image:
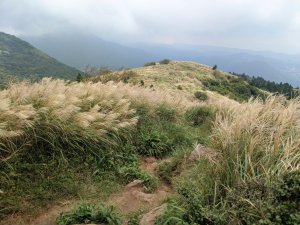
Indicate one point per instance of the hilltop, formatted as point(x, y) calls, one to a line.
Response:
point(19, 58)
point(167, 143)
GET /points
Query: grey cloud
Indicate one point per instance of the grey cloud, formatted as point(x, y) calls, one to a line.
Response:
point(257, 24)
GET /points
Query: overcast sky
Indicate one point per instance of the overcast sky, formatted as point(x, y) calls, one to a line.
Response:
point(250, 24)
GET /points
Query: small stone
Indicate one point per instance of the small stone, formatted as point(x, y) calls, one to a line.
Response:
point(135, 183)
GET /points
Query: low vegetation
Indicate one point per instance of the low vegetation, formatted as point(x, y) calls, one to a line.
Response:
point(89, 214)
point(255, 173)
point(233, 87)
point(86, 140)
point(279, 88)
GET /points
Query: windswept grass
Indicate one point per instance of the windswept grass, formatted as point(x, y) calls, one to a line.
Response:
point(75, 111)
point(255, 176)
point(258, 139)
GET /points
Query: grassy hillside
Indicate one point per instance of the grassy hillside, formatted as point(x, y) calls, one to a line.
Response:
point(158, 136)
point(186, 77)
point(19, 58)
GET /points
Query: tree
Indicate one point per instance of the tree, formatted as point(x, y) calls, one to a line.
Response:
point(79, 77)
point(215, 67)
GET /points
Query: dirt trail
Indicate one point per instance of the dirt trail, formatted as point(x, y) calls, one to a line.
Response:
point(132, 198)
point(46, 217)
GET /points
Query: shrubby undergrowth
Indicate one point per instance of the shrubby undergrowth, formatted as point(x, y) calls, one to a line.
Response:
point(255, 177)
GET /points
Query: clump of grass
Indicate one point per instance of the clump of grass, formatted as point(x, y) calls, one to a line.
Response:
point(258, 138)
point(200, 95)
point(200, 115)
point(86, 213)
point(255, 176)
point(132, 172)
point(150, 64)
point(165, 61)
point(54, 109)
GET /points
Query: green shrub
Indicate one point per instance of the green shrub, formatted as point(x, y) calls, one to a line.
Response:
point(166, 113)
point(155, 143)
point(89, 214)
point(132, 172)
point(150, 64)
point(285, 208)
point(199, 115)
point(200, 95)
point(172, 214)
point(179, 87)
point(165, 61)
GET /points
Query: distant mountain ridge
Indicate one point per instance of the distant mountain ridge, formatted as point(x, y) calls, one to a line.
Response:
point(79, 50)
point(19, 58)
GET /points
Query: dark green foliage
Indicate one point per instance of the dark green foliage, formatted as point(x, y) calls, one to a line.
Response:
point(158, 134)
point(179, 87)
point(79, 77)
point(281, 88)
point(132, 172)
point(156, 143)
point(166, 113)
point(165, 61)
point(258, 202)
point(150, 64)
point(172, 215)
point(199, 115)
point(142, 83)
point(215, 67)
point(200, 95)
point(19, 58)
point(235, 88)
point(90, 214)
point(285, 208)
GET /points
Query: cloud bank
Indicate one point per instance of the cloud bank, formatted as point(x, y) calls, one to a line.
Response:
point(252, 24)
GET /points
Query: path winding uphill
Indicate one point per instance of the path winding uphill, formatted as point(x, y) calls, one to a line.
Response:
point(132, 198)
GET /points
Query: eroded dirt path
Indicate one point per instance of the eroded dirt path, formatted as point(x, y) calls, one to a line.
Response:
point(132, 198)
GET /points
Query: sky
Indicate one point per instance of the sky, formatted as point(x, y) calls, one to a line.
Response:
point(249, 24)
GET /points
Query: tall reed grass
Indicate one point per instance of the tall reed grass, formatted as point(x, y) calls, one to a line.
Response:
point(58, 112)
point(257, 139)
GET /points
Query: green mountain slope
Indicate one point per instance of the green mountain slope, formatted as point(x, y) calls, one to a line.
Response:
point(19, 58)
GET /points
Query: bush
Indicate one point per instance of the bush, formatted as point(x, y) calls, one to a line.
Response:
point(165, 61)
point(202, 96)
point(155, 143)
point(132, 172)
point(199, 115)
point(179, 87)
point(150, 64)
point(166, 113)
point(89, 214)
